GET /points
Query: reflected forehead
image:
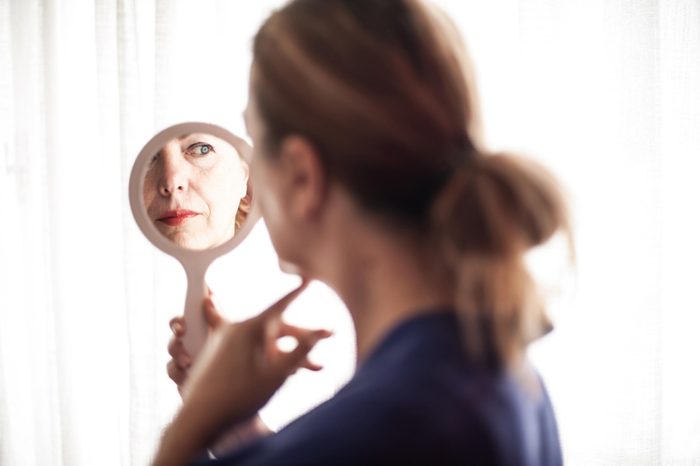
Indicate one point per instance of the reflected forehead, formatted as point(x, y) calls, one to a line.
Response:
point(190, 136)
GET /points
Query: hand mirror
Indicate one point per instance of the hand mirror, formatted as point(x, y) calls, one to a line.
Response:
point(191, 196)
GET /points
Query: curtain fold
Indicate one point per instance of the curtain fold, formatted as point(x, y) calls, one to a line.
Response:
point(606, 92)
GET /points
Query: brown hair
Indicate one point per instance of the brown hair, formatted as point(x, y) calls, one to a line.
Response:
point(383, 90)
point(243, 208)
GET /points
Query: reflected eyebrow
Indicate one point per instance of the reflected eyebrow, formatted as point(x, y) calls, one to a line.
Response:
point(195, 136)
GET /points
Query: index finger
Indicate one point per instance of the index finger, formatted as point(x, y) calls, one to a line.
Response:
point(276, 309)
point(177, 326)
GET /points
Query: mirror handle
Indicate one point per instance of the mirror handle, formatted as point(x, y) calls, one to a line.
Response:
point(195, 323)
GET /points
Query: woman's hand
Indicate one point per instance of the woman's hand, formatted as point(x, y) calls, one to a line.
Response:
point(181, 361)
point(237, 372)
point(178, 368)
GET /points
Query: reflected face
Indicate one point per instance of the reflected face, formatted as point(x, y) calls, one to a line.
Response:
point(193, 188)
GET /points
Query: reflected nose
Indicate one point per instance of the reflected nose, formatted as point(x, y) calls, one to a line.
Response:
point(174, 177)
point(168, 188)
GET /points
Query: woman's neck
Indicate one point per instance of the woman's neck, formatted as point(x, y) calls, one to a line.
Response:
point(384, 279)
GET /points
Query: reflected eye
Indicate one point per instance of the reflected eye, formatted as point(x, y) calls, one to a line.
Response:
point(200, 149)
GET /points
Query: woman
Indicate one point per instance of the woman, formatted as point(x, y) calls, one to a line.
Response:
point(371, 178)
point(195, 191)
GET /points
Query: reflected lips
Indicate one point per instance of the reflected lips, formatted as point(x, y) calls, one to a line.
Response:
point(175, 218)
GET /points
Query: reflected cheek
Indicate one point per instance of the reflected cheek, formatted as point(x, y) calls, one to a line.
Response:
point(216, 201)
point(149, 195)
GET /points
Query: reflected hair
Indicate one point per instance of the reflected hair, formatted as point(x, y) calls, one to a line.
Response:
point(244, 208)
point(385, 92)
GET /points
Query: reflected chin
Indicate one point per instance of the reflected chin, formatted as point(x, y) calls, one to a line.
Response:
point(193, 234)
point(181, 237)
point(186, 241)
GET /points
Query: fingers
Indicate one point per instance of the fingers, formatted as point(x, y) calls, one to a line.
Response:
point(274, 329)
point(284, 330)
point(179, 364)
point(270, 320)
point(177, 326)
point(289, 362)
point(211, 314)
point(312, 366)
point(277, 329)
point(177, 350)
point(176, 373)
point(277, 308)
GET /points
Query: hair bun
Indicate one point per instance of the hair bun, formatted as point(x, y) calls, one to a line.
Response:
point(490, 213)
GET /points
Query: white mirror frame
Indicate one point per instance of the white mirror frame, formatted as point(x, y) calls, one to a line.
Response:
point(195, 262)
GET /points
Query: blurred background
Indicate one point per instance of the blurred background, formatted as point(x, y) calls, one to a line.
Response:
point(605, 92)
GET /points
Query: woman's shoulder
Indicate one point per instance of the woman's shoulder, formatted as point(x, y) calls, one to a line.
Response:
point(417, 401)
point(431, 423)
point(417, 395)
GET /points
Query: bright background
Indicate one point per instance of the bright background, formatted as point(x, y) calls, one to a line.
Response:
point(605, 92)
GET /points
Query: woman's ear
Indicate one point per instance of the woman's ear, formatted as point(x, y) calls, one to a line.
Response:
point(303, 176)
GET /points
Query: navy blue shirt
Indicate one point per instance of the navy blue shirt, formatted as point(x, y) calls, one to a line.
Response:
point(417, 401)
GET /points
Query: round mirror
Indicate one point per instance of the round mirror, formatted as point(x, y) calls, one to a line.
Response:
point(191, 197)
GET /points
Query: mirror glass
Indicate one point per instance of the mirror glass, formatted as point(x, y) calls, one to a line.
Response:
point(195, 190)
point(191, 196)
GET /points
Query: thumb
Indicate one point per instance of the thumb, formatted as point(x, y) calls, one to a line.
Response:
point(211, 314)
point(288, 363)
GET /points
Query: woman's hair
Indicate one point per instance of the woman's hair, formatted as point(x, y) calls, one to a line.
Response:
point(243, 208)
point(383, 90)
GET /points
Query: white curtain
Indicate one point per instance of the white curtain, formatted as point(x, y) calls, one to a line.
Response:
point(606, 92)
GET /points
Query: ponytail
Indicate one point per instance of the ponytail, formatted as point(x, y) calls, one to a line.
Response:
point(488, 216)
